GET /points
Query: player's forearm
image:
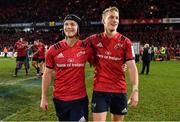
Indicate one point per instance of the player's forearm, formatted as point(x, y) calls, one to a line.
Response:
point(35, 53)
point(133, 74)
point(46, 80)
point(134, 79)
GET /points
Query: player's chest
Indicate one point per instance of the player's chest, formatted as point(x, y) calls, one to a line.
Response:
point(19, 45)
point(71, 55)
point(110, 49)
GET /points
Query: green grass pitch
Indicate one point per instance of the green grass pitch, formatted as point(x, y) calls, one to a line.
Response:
point(159, 94)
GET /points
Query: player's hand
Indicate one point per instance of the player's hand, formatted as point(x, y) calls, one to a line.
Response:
point(44, 104)
point(133, 99)
point(124, 67)
point(31, 55)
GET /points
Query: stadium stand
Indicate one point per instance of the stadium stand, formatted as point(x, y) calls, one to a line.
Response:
point(52, 10)
point(12, 11)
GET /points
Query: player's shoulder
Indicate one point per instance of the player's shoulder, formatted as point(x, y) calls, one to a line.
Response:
point(84, 44)
point(123, 38)
point(95, 36)
point(55, 47)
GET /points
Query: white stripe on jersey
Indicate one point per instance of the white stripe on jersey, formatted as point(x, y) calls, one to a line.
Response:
point(132, 51)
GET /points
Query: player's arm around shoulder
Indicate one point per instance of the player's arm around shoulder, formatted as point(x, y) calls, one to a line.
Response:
point(46, 80)
point(91, 39)
point(133, 74)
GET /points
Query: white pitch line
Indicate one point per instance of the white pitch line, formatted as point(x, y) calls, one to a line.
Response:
point(18, 81)
point(8, 117)
point(19, 84)
point(12, 82)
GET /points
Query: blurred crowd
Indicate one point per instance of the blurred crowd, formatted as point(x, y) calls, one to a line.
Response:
point(12, 11)
point(55, 10)
point(170, 40)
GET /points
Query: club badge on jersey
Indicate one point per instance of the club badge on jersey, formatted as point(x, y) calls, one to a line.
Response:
point(118, 46)
point(81, 53)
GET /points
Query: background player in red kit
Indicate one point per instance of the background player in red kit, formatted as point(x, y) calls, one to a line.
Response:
point(67, 58)
point(21, 47)
point(35, 56)
point(112, 50)
point(41, 55)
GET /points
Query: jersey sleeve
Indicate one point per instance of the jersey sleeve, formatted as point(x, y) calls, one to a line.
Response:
point(91, 56)
point(129, 50)
point(49, 59)
point(89, 40)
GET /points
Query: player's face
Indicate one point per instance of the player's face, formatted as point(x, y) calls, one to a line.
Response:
point(35, 43)
point(70, 28)
point(111, 20)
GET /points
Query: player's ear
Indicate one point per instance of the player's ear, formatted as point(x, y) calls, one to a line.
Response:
point(102, 20)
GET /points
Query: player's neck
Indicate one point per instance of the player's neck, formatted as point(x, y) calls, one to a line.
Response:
point(110, 34)
point(71, 41)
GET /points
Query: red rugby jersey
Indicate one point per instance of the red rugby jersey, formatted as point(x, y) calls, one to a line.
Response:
point(21, 48)
point(41, 50)
point(110, 54)
point(34, 50)
point(68, 63)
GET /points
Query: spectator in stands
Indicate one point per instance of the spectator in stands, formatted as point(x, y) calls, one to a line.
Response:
point(177, 50)
point(146, 58)
point(163, 53)
point(152, 53)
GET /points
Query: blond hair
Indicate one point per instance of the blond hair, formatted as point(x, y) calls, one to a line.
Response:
point(109, 9)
